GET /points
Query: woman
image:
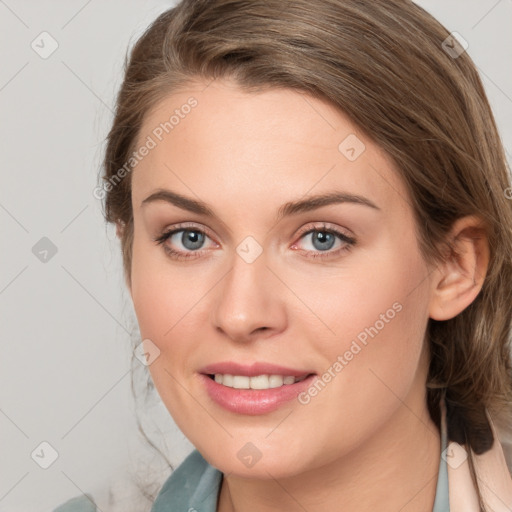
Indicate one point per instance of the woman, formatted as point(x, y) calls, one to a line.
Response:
point(311, 199)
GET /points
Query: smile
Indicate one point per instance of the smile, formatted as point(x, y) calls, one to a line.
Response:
point(256, 382)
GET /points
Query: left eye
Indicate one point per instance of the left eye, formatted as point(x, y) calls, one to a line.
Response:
point(322, 240)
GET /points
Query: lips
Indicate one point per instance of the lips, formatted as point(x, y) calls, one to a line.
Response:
point(252, 370)
point(253, 401)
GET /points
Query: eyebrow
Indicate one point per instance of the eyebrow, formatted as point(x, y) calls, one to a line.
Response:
point(290, 208)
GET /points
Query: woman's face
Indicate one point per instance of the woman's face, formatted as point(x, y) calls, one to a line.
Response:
point(259, 281)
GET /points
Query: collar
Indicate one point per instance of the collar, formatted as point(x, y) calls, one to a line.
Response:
point(493, 475)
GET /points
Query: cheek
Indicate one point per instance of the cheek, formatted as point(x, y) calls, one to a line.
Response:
point(161, 299)
point(372, 323)
point(160, 293)
point(348, 300)
point(171, 305)
point(371, 357)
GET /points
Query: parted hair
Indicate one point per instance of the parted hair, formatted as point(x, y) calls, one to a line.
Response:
point(386, 64)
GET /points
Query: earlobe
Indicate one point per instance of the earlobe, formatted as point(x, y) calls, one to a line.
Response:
point(459, 279)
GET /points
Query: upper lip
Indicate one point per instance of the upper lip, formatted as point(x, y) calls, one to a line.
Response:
point(252, 370)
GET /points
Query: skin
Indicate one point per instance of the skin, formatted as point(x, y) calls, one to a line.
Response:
point(369, 428)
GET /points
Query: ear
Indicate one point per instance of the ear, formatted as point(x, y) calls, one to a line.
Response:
point(459, 278)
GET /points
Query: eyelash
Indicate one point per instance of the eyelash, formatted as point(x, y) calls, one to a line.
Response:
point(178, 255)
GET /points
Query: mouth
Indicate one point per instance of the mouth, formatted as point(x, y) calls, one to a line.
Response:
point(259, 388)
point(256, 382)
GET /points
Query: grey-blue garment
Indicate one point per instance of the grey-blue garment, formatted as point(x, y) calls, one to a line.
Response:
point(82, 503)
point(194, 487)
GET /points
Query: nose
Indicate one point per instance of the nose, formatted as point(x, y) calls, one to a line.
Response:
point(248, 303)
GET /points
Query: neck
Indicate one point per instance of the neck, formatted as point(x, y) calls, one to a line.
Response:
point(396, 469)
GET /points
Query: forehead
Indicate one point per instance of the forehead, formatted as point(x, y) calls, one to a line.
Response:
point(219, 143)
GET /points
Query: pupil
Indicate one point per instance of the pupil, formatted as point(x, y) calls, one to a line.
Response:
point(326, 240)
point(192, 239)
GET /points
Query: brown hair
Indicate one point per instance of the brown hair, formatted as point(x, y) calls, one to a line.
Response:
point(381, 62)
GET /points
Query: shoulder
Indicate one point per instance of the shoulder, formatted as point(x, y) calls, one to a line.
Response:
point(79, 504)
point(194, 484)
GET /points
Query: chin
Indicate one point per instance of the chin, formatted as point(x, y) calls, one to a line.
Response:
point(251, 460)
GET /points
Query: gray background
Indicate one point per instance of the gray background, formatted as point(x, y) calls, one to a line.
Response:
point(66, 321)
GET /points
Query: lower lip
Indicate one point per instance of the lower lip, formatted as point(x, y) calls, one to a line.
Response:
point(254, 401)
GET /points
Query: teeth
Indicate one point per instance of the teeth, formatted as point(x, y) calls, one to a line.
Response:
point(241, 382)
point(256, 382)
point(275, 381)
